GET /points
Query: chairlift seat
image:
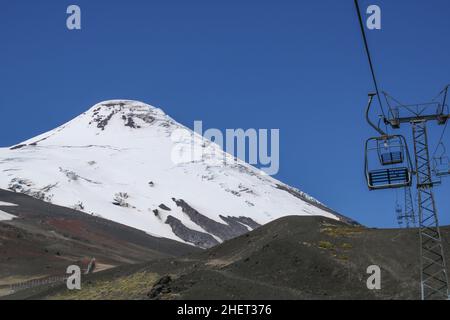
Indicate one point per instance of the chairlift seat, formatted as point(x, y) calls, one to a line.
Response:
point(390, 158)
point(389, 178)
point(441, 166)
point(441, 163)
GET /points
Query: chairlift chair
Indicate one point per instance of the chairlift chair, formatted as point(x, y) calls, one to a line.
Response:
point(394, 167)
point(441, 163)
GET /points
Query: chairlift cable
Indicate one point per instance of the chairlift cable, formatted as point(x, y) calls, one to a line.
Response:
point(369, 57)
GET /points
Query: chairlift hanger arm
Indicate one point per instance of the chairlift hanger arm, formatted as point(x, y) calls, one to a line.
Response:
point(369, 105)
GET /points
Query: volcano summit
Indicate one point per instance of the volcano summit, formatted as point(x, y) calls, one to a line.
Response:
point(114, 161)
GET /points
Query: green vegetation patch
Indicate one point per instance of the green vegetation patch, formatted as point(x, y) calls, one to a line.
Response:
point(339, 232)
point(343, 257)
point(131, 287)
point(326, 245)
point(346, 246)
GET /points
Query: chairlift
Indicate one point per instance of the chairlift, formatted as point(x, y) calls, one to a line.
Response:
point(393, 168)
point(441, 163)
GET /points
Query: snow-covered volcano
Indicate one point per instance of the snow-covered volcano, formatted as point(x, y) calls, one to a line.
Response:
point(116, 161)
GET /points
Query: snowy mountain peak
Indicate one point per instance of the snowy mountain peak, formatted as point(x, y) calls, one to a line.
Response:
point(116, 161)
point(111, 122)
point(133, 114)
point(124, 105)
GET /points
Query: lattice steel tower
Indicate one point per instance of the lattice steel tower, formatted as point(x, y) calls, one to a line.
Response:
point(434, 278)
point(434, 272)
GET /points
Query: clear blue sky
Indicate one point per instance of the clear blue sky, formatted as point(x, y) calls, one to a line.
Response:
point(297, 65)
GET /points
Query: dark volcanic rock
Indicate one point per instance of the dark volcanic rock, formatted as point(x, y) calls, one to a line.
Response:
point(103, 122)
point(200, 239)
point(164, 207)
point(130, 123)
point(164, 280)
point(223, 231)
point(18, 147)
point(243, 220)
point(161, 286)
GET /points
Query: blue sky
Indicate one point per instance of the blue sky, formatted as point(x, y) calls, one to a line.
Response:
point(296, 65)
